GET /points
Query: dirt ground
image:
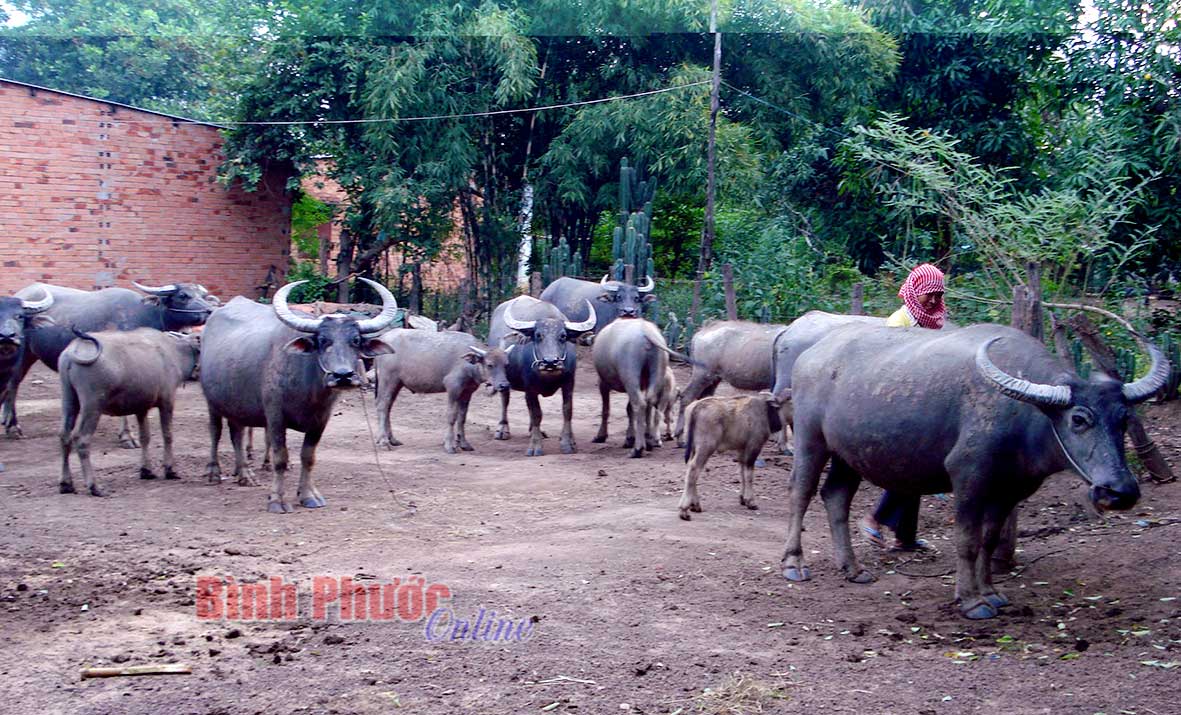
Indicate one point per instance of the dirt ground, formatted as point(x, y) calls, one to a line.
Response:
point(632, 609)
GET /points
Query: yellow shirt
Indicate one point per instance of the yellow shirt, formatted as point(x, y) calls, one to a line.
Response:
point(900, 319)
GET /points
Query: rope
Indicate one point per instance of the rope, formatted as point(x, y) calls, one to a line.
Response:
point(411, 508)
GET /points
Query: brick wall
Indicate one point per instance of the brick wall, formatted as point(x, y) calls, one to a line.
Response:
point(94, 194)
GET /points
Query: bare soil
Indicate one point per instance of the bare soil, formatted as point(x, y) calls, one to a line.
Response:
point(633, 610)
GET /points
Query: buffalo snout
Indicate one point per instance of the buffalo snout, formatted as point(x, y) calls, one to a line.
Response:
point(1115, 498)
point(343, 378)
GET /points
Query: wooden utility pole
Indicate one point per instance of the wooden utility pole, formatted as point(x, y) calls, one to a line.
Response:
point(707, 231)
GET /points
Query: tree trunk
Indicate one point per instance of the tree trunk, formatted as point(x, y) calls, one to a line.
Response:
point(344, 264)
point(728, 286)
point(415, 303)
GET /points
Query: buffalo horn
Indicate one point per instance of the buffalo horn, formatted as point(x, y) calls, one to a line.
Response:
point(513, 323)
point(603, 283)
point(647, 288)
point(389, 310)
point(38, 306)
point(586, 325)
point(477, 351)
point(289, 318)
point(156, 290)
point(1015, 387)
point(1156, 378)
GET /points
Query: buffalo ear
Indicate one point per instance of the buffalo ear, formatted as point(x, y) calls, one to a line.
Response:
point(41, 321)
point(373, 347)
point(649, 298)
point(473, 358)
point(302, 345)
point(606, 297)
point(150, 300)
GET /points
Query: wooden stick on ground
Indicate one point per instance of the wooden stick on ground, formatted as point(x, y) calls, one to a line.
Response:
point(160, 669)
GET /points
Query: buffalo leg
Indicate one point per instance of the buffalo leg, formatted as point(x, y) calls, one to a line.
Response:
point(566, 441)
point(805, 478)
point(242, 469)
point(637, 413)
point(747, 465)
point(452, 438)
point(651, 422)
point(502, 429)
point(309, 497)
point(69, 419)
point(213, 468)
point(278, 441)
point(145, 437)
point(690, 499)
point(387, 393)
point(11, 427)
point(126, 440)
point(82, 435)
point(629, 437)
point(166, 432)
point(1005, 556)
point(605, 413)
point(701, 383)
point(969, 534)
point(534, 404)
point(837, 494)
point(465, 401)
point(993, 527)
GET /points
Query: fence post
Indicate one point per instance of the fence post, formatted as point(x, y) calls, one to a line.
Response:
point(857, 300)
point(728, 286)
point(629, 273)
point(535, 284)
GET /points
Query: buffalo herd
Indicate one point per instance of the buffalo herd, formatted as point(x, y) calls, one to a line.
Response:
point(984, 412)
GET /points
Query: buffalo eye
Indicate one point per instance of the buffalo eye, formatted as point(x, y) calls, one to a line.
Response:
point(325, 343)
point(1081, 420)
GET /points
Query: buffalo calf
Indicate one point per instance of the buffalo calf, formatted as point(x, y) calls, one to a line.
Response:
point(739, 424)
point(424, 361)
point(121, 373)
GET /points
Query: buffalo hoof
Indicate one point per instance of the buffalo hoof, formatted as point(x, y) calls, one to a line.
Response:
point(14, 432)
point(636, 452)
point(448, 448)
point(128, 442)
point(245, 477)
point(980, 611)
point(629, 442)
point(748, 503)
point(696, 506)
point(862, 576)
point(145, 473)
point(388, 442)
point(685, 515)
point(600, 438)
point(568, 448)
point(67, 488)
point(466, 446)
point(794, 573)
point(502, 433)
point(170, 473)
point(96, 492)
point(314, 502)
point(996, 600)
point(278, 507)
point(535, 452)
point(666, 437)
point(760, 463)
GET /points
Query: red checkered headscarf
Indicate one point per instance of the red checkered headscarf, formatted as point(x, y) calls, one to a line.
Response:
point(922, 280)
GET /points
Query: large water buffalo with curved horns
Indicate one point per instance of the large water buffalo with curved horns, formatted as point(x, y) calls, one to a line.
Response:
point(266, 366)
point(171, 307)
point(539, 341)
point(19, 318)
point(611, 299)
point(986, 412)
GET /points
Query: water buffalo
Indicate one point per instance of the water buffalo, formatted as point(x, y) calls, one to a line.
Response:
point(172, 307)
point(423, 361)
point(740, 424)
point(631, 356)
point(921, 412)
point(734, 351)
point(611, 299)
point(269, 367)
point(539, 341)
point(121, 373)
point(667, 395)
point(19, 318)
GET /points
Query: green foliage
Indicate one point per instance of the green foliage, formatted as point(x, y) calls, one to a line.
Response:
point(307, 215)
point(318, 287)
point(922, 174)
